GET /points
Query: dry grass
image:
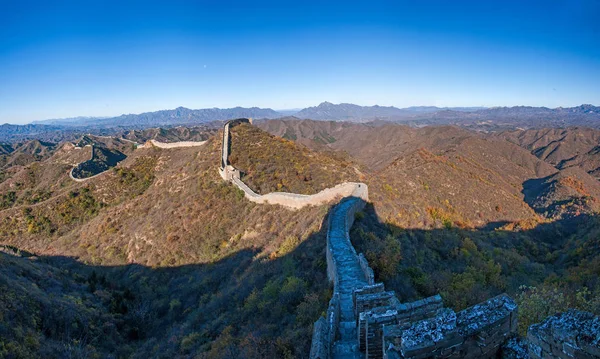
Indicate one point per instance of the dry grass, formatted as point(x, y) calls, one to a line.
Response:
point(270, 164)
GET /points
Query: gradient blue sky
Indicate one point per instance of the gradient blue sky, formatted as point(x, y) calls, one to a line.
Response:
point(103, 58)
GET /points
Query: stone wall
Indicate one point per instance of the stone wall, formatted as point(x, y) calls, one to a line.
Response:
point(343, 270)
point(289, 200)
point(297, 201)
point(179, 144)
point(92, 154)
point(324, 330)
point(476, 332)
point(364, 320)
point(225, 168)
point(84, 163)
point(573, 334)
point(364, 265)
point(334, 335)
point(384, 309)
point(320, 345)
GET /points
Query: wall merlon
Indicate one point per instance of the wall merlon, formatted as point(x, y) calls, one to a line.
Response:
point(476, 332)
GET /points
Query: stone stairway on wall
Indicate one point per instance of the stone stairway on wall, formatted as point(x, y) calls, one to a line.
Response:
point(350, 277)
point(365, 321)
point(372, 323)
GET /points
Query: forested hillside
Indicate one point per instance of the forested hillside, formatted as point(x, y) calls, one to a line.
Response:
point(183, 263)
point(160, 257)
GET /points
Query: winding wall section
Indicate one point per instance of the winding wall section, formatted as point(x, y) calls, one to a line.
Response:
point(81, 163)
point(365, 321)
point(163, 145)
point(336, 335)
point(179, 144)
point(289, 200)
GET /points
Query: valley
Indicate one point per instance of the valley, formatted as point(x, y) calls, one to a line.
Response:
point(160, 240)
point(299, 179)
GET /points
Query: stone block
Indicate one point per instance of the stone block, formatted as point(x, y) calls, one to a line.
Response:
point(366, 302)
point(319, 348)
point(370, 326)
point(573, 334)
point(493, 316)
point(368, 289)
point(422, 338)
point(421, 309)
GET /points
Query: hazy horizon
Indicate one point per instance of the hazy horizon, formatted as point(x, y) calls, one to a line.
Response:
point(70, 59)
point(284, 112)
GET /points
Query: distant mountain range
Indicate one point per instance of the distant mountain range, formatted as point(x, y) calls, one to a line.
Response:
point(518, 116)
point(178, 116)
point(356, 113)
point(504, 118)
point(67, 121)
point(479, 118)
point(341, 112)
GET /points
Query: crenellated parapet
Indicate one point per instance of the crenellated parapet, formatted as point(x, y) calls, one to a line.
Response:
point(476, 332)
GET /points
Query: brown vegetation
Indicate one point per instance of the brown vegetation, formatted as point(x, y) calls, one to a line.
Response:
point(223, 273)
point(171, 261)
point(270, 164)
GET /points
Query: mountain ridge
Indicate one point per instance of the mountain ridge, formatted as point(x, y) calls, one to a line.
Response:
point(477, 118)
point(453, 211)
point(177, 116)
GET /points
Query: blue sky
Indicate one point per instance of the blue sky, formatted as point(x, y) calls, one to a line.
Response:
point(104, 58)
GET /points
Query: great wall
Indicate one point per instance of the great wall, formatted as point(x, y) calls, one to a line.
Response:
point(92, 155)
point(290, 200)
point(79, 164)
point(148, 144)
point(170, 145)
point(364, 320)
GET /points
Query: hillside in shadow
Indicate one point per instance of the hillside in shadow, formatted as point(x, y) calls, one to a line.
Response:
point(547, 269)
point(103, 160)
point(252, 305)
point(245, 305)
